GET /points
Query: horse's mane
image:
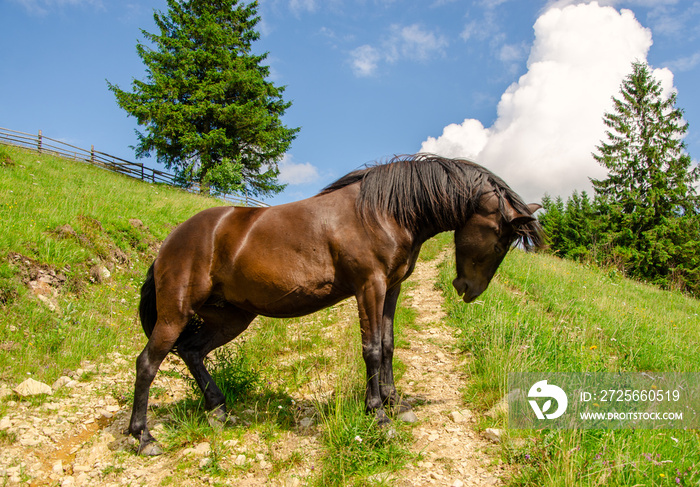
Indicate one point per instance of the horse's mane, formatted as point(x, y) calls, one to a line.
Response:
point(428, 189)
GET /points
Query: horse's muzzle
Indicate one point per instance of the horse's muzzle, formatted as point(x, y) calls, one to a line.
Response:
point(462, 288)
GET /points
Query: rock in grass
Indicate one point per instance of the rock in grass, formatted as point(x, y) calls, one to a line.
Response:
point(408, 417)
point(31, 387)
point(493, 434)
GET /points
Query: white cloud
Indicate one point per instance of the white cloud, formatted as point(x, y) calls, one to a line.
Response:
point(293, 173)
point(685, 63)
point(413, 42)
point(551, 120)
point(364, 60)
point(410, 42)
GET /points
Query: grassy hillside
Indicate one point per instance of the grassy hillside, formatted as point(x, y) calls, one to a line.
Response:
point(542, 313)
point(62, 224)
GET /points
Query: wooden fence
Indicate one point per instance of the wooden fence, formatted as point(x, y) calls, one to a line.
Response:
point(46, 145)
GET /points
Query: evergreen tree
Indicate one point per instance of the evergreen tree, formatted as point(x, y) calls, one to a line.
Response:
point(570, 228)
point(648, 199)
point(209, 112)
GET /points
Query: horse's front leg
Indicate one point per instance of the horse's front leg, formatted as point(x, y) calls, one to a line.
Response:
point(390, 397)
point(370, 304)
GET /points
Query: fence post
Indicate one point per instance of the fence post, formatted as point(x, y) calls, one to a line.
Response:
point(38, 146)
point(92, 154)
point(141, 172)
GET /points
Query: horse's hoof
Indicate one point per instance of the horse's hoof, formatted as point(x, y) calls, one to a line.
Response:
point(408, 417)
point(150, 449)
point(382, 418)
point(218, 418)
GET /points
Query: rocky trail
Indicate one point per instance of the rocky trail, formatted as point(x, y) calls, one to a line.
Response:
point(76, 437)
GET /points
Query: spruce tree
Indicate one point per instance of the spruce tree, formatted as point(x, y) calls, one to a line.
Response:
point(208, 110)
point(648, 199)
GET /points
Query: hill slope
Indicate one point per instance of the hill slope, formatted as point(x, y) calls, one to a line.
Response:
point(75, 243)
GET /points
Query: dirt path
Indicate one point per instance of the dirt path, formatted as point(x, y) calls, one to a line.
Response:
point(76, 438)
point(455, 454)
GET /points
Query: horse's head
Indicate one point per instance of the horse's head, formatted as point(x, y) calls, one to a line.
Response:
point(482, 243)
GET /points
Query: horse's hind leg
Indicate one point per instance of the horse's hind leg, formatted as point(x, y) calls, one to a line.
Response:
point(219, 325)
point(160, 342)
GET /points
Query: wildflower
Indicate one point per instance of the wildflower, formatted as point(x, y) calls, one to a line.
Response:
point(593, 347)
point(358, 439)
point(662, 475)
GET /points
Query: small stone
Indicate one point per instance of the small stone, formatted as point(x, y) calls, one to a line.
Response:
point(31, 387)
point(457, 417)
point(60, 382)
point(408, 417)
point(57, 467)
point(493, 434)
point(104, 413)
point(306, 422)
point(457, 483)
point(29, 441)
point(5, 423)
point(240, 460)
point(203, 448)
point(99, 274)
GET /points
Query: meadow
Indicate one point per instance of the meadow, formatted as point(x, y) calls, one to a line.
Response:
point(542, 313)
point(64, 223)
point(67, 222)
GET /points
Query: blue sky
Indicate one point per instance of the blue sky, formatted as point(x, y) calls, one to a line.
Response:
point(519, 86)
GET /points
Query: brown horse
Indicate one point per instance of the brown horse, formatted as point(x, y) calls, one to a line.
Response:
point(359, 237)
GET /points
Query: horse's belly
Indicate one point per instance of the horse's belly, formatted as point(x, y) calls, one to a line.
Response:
point(281, 302)
point(281, 295)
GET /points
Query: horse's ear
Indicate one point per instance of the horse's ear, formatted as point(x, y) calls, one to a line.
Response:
point(519, 219)
point(533, 207)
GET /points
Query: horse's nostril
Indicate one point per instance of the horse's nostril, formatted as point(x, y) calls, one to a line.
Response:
point(460, 286)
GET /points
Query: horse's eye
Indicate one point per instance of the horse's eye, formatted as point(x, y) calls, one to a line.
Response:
point(498, 248)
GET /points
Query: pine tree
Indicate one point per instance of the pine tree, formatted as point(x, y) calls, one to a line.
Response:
point(648, 199)
point(209, 112)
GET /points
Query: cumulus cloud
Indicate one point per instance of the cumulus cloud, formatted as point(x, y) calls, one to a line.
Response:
point(293, 173)
point(412, 42)
point(550, 121)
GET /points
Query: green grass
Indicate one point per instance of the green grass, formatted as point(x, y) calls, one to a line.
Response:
point(64, 217)
point(542, 313)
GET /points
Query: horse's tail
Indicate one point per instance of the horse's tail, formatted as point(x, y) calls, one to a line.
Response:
point(147, 307)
